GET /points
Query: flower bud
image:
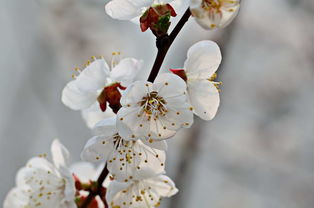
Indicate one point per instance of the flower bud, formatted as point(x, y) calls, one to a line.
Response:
point(157, 18)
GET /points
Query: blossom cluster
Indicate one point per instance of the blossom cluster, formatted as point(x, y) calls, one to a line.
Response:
point(131, 119)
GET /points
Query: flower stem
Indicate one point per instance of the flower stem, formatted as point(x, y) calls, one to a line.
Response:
point(163, 44)
point(98, 191)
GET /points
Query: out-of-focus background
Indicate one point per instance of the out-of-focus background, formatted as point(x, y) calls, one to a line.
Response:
point(257, 153)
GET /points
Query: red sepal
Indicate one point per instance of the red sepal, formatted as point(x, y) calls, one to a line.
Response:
point(180, 72)
point(112, 96)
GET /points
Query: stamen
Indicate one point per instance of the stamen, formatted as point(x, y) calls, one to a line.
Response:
point(153, 105)
point(115, 59)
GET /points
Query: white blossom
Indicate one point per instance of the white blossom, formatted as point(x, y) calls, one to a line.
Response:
point(145, 193)
point(82, 92)
point(154, 110)
point(203, 60)
point(44, 184)
point(126, 160)
point(211, 14)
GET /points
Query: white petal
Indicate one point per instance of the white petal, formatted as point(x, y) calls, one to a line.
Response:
point(127, 196)
point(163, 185)
point(114, 188)
point(179, 113)
point(69, 191)
point(97, 149)
point(160, 130)
point(126, 9)
point(142, 3)
point(161, 145)
point(207, 20)
point(130, 125)
point(203, 59)
point(94, 114)
point(77, 99)
point(152, 161)
point(105, 127)
point(135, 161)
point(179, 5)
point(60, 155)
point(40, 183)
point(94, 76)
point(178, 116)
point(34, 163)
point(169, 85)
point(16, 198)
point(126, 71)
point(135, 92)
point(228, 14)
point(204, 98)
point(85, 171)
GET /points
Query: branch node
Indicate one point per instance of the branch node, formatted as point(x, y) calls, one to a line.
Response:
point(162, 41)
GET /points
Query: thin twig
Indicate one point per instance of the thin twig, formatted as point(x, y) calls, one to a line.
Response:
point(163, 44)
point(98, 190)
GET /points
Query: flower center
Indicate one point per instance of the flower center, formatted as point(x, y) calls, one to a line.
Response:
point(212, 80)
point(154, 105)
point(212, 4)
point(215, 5)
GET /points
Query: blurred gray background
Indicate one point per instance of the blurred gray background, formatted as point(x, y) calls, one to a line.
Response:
point(257, 153)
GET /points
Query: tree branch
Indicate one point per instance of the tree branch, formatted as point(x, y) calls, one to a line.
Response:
point(92, 194)
point(163, 44)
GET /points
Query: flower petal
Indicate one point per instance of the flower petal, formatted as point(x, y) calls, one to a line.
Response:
point(178, 116)
point(163, 185)
point(16, 198)
point(204, 98)
point(85, 171)
point(114, 188)
point(160, 130)
point(39, 182)
point(203, 59)
point(126, 71)
point(142, 3)
point(126, 9)
point(130, 125)
point(94, 76)
point(94, 114)
point(60, 155)
point(135, 92)
point(178, 5)
point(169, 85)
point(97, 149)
point(105, 127)
point(228, 14)
point(161, 145)
point(77, 99)
point(134, 160)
